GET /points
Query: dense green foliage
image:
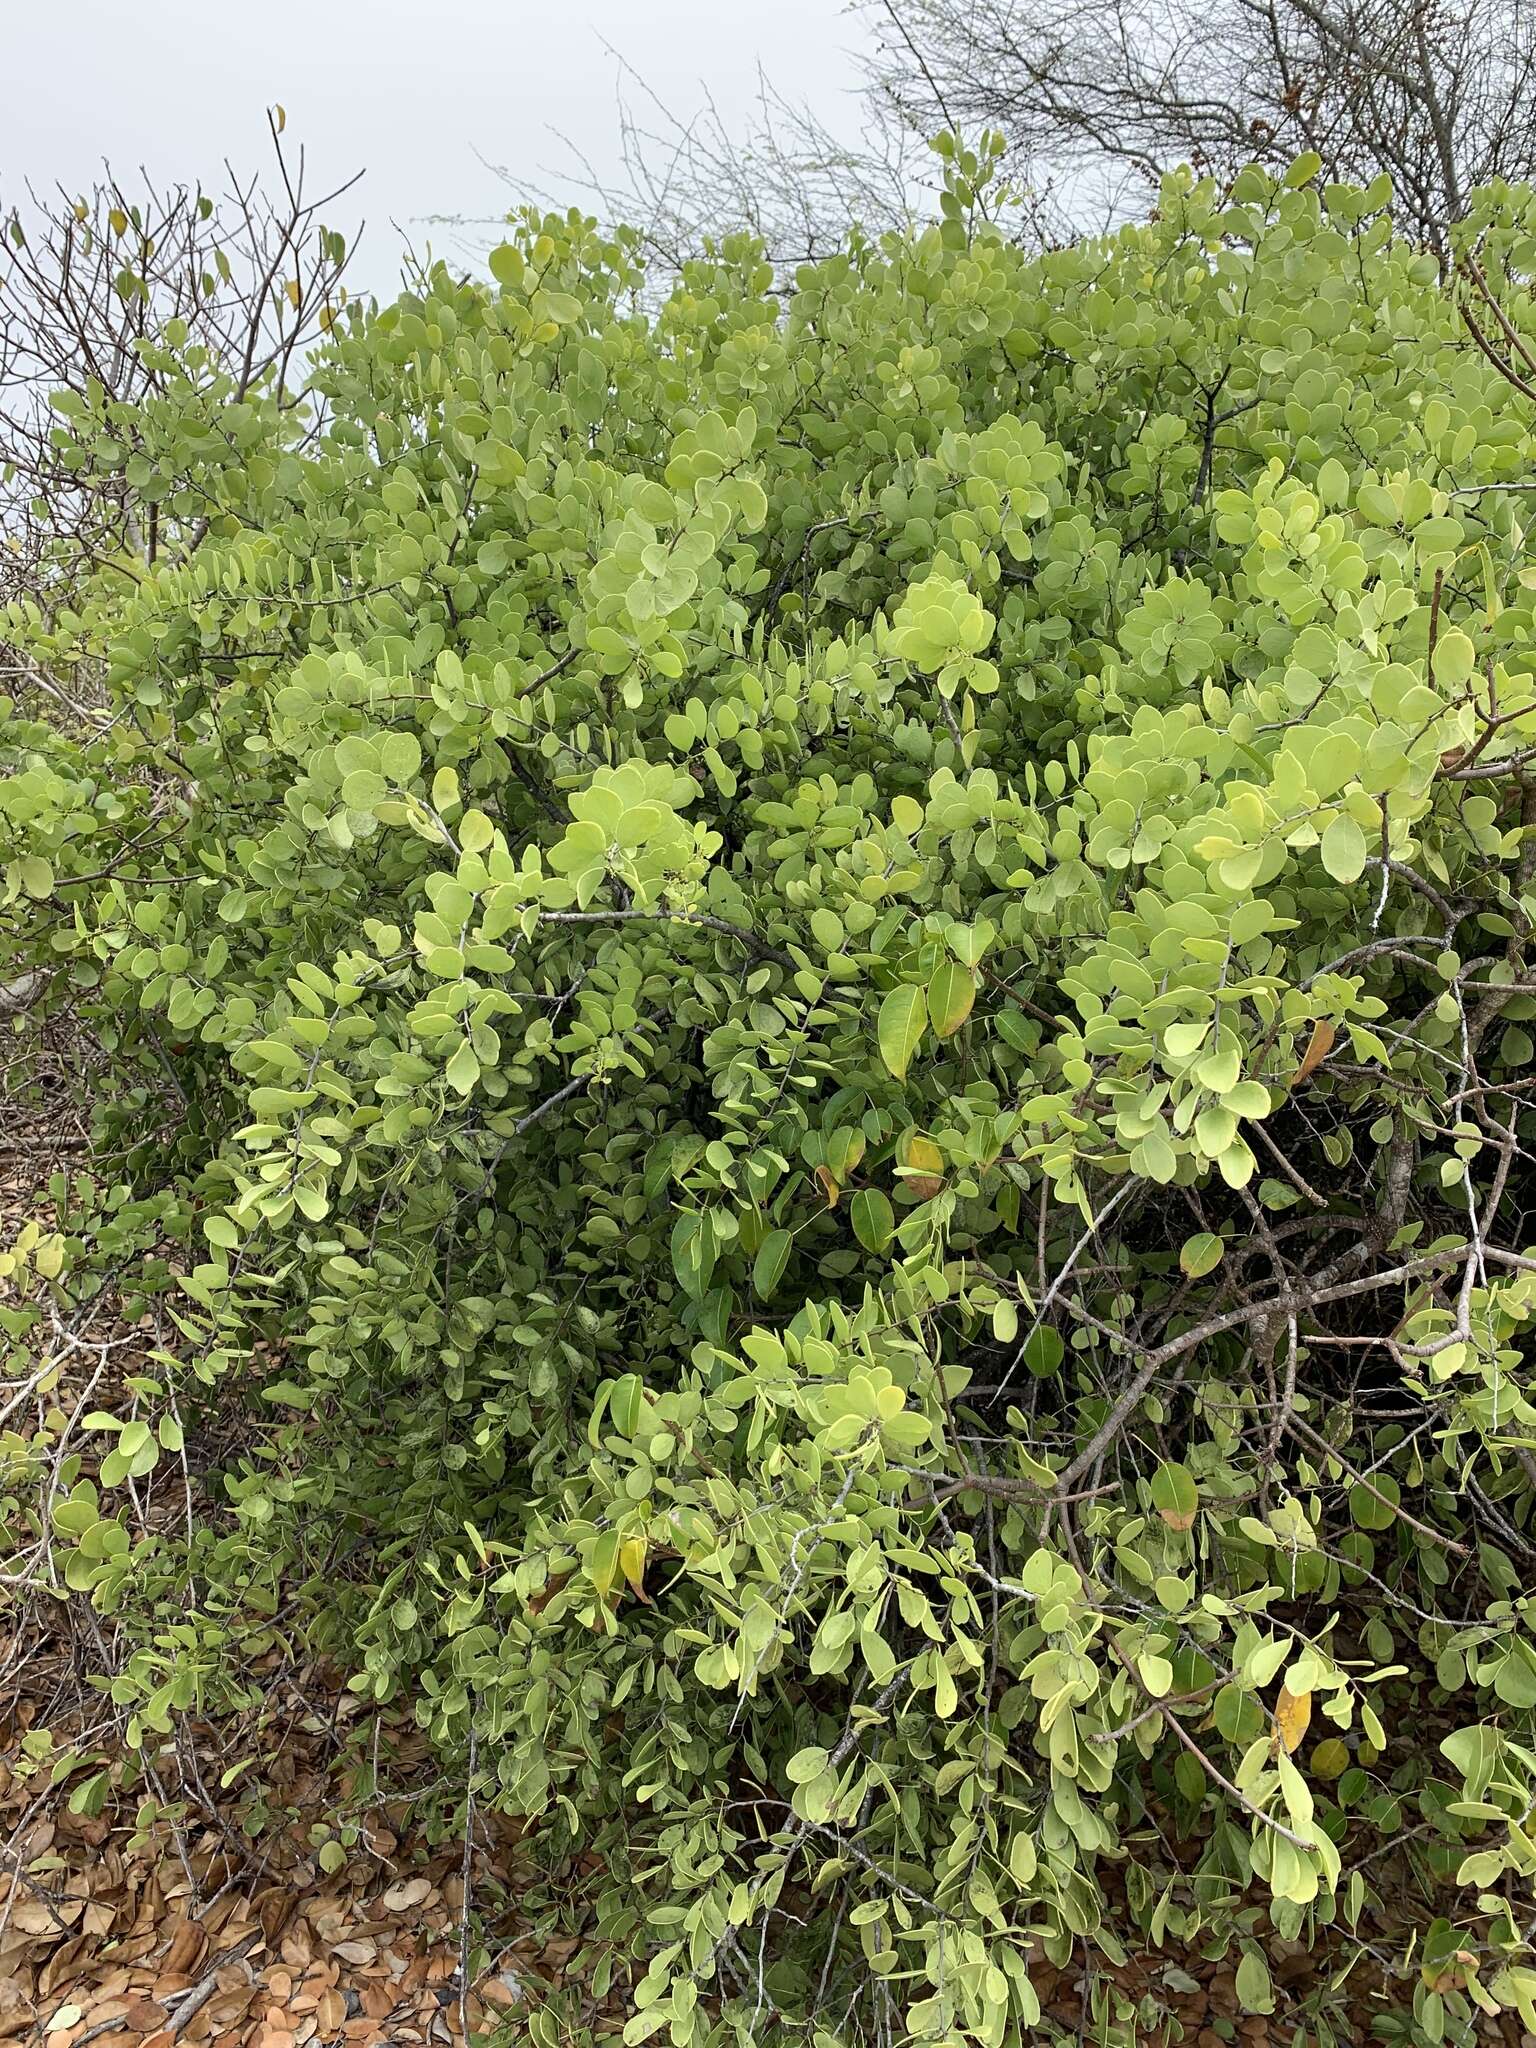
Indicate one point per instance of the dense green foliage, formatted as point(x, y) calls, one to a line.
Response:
point(819, 1011)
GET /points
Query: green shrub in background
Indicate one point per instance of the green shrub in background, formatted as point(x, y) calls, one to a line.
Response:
point(846, 986)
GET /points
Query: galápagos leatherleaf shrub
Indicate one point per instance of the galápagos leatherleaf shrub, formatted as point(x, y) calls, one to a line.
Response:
point(819, 1009)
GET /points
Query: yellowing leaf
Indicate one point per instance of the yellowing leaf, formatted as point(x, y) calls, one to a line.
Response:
point(632, 1554)
point(1293, 1715)
point(117, 220)
point(828, 1186)
point(844, 1150)
point(924, 1163)
point(279, 119)
point(603, 1566)
point(292, 289)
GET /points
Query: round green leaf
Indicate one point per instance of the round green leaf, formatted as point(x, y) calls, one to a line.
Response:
point(873, 1219)
point(900, 1028)
point(1201, 1254)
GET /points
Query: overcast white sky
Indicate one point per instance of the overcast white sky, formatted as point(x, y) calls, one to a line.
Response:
point(411, 92)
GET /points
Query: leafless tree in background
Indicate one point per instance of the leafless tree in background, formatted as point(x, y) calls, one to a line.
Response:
point(89, 285)
point(786, 176)
point(1097, 100)
point(1441, 94)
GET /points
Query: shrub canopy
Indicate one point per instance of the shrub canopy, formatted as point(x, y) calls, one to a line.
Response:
point(844, 990)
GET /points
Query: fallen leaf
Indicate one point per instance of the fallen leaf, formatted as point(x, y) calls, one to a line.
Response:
point(505, 1989)
point(188, 1946)
point(38, 1916)
point(410, 1892)
point(60, 1967)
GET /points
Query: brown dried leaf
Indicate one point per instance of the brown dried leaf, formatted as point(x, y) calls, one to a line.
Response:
point(409, 1892)
point(56, 1970)
point(226, 2007)
point(144, 2016)
point(189, 1944)
point(541, 1600)
point(41, 1916)
point(1319, 1045)
point(274, 1909)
